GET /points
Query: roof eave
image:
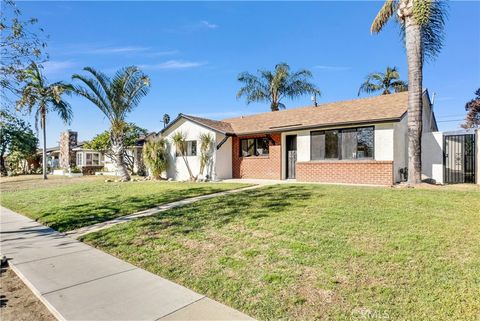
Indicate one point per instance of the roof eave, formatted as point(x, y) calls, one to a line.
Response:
point(324, 126)
point(180, 116)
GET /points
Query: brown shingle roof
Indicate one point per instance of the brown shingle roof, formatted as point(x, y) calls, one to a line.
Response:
point(218, 125)
point(357, 111)
point(372, 109)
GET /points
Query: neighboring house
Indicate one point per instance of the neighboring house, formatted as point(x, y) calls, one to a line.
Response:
point(361, 141)
point(71, 153)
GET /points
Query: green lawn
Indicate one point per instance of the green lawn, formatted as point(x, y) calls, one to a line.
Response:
point(70, 203)
point(304, 252)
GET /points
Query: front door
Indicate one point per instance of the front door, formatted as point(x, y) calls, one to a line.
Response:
point(291, 151)
point(459, 158)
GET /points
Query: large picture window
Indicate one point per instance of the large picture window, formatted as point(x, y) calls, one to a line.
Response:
point(350, 143)
point(254, 147)
point(190, 148)
point(92, 159)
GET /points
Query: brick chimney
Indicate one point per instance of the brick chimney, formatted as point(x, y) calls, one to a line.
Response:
point(68, 140)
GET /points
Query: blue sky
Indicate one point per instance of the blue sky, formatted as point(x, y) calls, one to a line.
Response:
point(193, 52)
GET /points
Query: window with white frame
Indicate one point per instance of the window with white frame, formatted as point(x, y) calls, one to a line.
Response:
point(92, 159)
point(79, 159)
point(190, 148)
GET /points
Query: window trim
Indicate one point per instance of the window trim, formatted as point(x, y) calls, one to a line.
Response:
point(339, 145)
point(92, 153)
point(81, 158)
point(254, 147)
point(177, 154)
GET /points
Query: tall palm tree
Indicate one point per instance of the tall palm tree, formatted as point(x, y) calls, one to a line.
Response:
point(38, 96)
point(115, 97)
point(273, 86)
point(166, 120)
point(386, 82)
point(422, 24)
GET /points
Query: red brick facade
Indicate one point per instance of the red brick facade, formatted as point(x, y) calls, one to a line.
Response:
point(348, 172)
point(265, 167)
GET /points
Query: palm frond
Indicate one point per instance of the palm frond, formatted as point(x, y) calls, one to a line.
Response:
point(431, 15)
point(383, 16)
point(63, 109)
point(368, 87)
point(104, 82)
point(96, 93)
point(273, 86)
point(384, 82)
point(399, 86)
point(254, 89)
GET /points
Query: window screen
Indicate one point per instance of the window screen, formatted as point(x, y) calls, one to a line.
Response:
point(190, 148)
point(254, 147)
point(365, 145)
point(350, 143)
point(262, 145)
point(317, 141)
point(331, 144)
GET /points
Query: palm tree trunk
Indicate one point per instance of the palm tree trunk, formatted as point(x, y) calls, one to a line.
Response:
point(413, 43)
point(274, 106)
point(44, 152)
point(118, 151)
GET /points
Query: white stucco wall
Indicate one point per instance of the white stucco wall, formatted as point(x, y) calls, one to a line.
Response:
point(221, 160)
point(432, 156)
point(400, 148)
point(384, 142)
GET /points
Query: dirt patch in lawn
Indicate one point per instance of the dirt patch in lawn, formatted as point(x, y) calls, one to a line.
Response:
point(17, 302)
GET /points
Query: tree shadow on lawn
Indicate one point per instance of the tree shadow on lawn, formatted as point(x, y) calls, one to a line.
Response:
point(72, 216)
point(249, 206)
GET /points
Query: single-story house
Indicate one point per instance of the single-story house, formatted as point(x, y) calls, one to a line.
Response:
point(70, 153)
point(360, 141)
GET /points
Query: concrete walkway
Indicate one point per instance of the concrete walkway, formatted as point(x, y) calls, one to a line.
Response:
point(154, 210)
point(78, 282)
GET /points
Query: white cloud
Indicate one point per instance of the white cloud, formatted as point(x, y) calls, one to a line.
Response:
point(173, 64)
point(335, 68)
point(53, 67)
point(114, 50)
point(208, 24)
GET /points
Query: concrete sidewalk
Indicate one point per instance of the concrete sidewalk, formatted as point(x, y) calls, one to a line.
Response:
point(78, 282)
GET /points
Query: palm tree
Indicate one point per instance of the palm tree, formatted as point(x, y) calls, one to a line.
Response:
point(273, 86)
point(387, 82)
point(155, 156)
point(180, 142)
point(166, 120)
point(115, 97)
point(206, 144)
point(41, 97)
point(422, 24)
